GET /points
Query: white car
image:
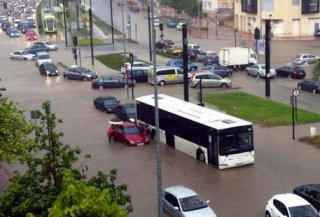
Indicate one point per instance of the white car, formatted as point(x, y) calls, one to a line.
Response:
point(52, 46)
point(43, 57)
point(16, 22)
point(136, 66)
point(22, 55)
point(179, 26)
point(180, 201)
point(156, 22)
point(289, 205)
point(259, 70)
point(304, 58)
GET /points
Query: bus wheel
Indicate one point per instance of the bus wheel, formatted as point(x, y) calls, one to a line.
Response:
point(200, 155)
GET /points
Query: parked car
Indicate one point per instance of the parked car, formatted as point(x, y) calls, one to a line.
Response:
point(211, 60)
point(42, 57)
point(304, 58)
point(179, 26)
point(138, 75)
point(259, 70)
point(310, 193)
point(16, 22)
point(209, 80)
point(204, 54)
point(289, 205)
point(192, 66)
point(171, 24)
point(168, 75)
point(126, 112)
point(109, 81)
point(51, 45)
point(209, 67)
point(5, 25)
point(48, 69)
point(194, 47)
point(180, 201)
point(14, 33)
point(310, 85)
point(79, 73)
point(31, 22)
point(291, 71)
point(31, 35)
point(156, 21)
point(128, 133)
point(36, 48)
point(22, 55)
point(8, 30)
point(221, 71)
point(135, 65)
point(24, 27)
point(106, 103)
point(174, 50)
point(317, 33)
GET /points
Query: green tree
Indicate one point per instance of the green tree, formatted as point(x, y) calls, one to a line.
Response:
point(79, 199)
point(14, 130)
point(316, 71)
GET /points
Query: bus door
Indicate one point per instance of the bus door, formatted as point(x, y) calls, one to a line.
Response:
point(213, 150)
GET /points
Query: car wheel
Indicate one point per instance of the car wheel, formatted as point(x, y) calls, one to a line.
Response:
point(126, 85)
point(101, 87)
point(258, 75)
point(224, 85)
point(25, 58)
point(85, 79)
point(66, 77)
point(111, 138)
point(299, 87)
point(200, 156)
point(314, 91)
point(162, 83)
point(134, 81)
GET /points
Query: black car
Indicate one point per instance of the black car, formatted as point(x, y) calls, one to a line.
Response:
point(49, 69)
point(310, 85)
point(79, 73)
point(5, 24)
point(317, 33)
point(24, 27)
point(36, 48)
point(291, 71)
point(221, 71)
point(108, 81)
point(164, 44)
point(193, 53)
point(31, 23)
point(126, 112)
point(106, 103)
point(138, 75)
point(310, 193)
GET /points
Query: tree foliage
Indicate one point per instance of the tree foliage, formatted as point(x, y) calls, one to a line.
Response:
point(79, 199)
point(316, 71)
point(189, 7)
point(34, 192)
point(14, 130)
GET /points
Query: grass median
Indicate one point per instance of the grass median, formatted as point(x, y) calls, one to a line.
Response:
point(257, 109)
point(86, 42)
point(112, 61)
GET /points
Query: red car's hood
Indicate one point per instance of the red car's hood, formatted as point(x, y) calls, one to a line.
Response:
point(136, 138)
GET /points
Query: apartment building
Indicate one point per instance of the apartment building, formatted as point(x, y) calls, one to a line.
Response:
point(289, 18)
point(214, 5)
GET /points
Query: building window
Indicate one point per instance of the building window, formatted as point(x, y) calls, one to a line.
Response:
point(267, 5)
point(249, 6)
point(295, 2)
point(313, 5)
point(310, 6)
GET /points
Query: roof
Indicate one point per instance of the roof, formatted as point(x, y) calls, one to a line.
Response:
point(167, 67)
point(180, 191)
point(202, 115)
point(106, 97)
point(290, 199)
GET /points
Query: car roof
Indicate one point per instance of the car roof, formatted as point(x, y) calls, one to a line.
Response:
point(42, 53)
point(313, 186)
point(180, 191)
point(106, 97)
point(290, 199)
point(47, 64)
point(167, 67)
point(207, 73)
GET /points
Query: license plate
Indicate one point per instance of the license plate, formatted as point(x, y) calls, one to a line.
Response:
point(141, 143)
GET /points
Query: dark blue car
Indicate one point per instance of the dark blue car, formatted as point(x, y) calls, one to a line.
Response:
point(171, 24)
point(179, 63)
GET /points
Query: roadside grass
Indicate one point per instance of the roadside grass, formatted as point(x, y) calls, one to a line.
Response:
point(166, 55)
point(257, 109)
point(112, 61)
point(311, 140)
point(86, 42)
point(128, 40)
point(106, 28)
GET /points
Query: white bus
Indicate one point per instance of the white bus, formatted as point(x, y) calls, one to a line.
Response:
point(208, 135)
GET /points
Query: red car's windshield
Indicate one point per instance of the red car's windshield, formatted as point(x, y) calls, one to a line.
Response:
point(131, 130)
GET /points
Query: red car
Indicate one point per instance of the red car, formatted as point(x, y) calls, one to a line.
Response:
point(31, 35)
point(127, 132)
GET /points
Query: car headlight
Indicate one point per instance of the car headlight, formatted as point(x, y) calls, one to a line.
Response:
point(47, 72)
point(131, 119)
point(57, 71)
point(89, 76)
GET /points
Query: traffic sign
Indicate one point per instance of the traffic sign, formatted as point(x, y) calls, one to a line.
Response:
point(295, 92)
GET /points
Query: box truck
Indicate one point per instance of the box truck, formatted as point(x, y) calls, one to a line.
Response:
point(237, 58)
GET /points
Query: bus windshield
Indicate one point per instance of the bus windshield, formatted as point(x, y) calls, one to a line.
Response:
point(50, 23)
point(234, 143)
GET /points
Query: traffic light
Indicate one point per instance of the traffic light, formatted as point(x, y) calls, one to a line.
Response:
point(5, 6)
point(257, 33)
point(161, 27)
point(75, 40)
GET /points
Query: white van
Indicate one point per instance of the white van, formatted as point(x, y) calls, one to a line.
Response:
point(168, 75)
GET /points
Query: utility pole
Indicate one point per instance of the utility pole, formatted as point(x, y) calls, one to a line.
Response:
point(124, 34)
point(267, 58)
point(136, 29)
point(199, 17)
point(65, 22)
point(150, 49)
point(111, 14)
point(91, 32)
point(77, 14)
point(156, 115)
point(185, 62)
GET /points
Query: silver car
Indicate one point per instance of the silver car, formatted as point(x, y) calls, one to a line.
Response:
point(304, 58)
point(259, 70)
point(180, 201)
point(22, 55)
point(208, 79)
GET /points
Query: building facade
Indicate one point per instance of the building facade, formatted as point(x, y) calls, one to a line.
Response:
point(210, 5)
point(289, 18)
